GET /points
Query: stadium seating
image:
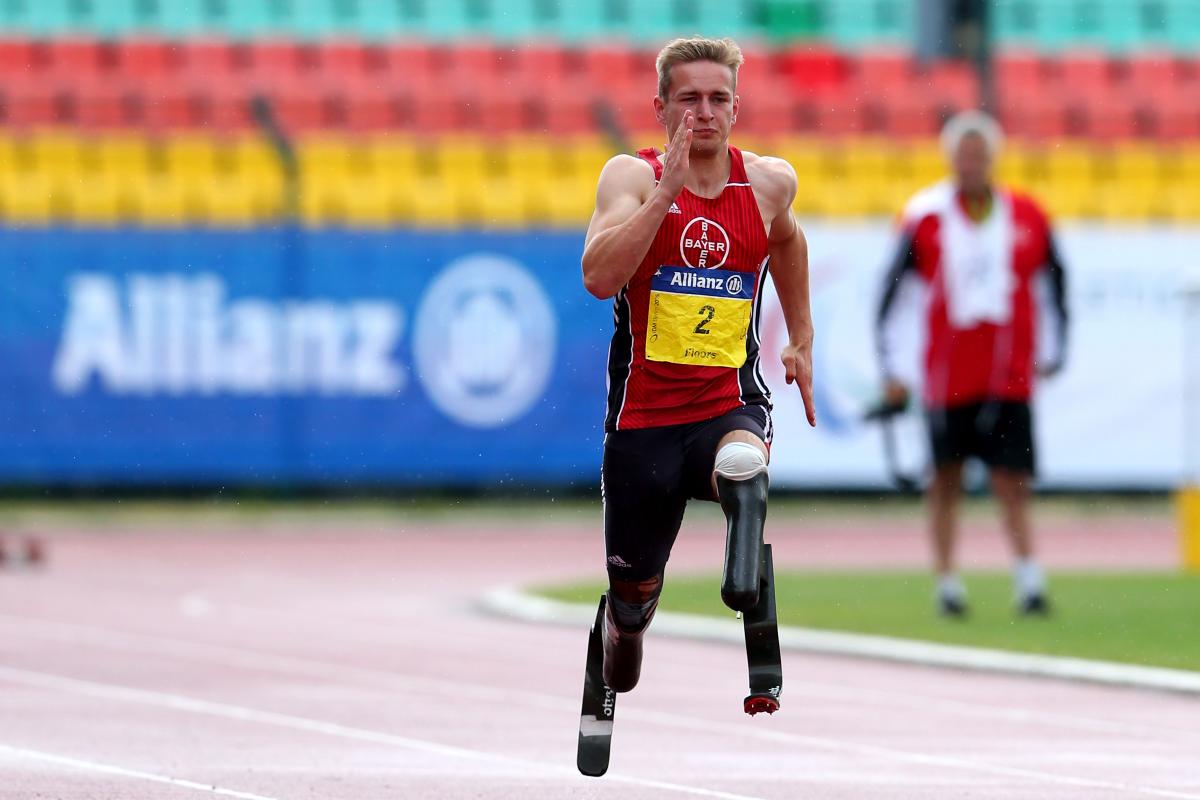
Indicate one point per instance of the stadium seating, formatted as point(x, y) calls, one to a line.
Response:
point(501, 112)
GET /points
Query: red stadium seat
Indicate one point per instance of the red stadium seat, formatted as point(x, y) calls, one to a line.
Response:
point(880, 69)
point(1086, 71)
point(301, 105)
point(30, 102)
point(812, 69)
point(341, 59)
point(212, 59)
point(541, 67)
point(100, 103)
point(612, 66)
point(18, 56)
point(1017, 74)
point(1037, 116)
point(77, 59)
point(569, 112)
point(412, 65)
point(276, 62)
point(366, 105)
point(1151, 71)
point(1109, 115)
point(144, 59)
point(225, 106)
point(952, 84)
point(167, 104)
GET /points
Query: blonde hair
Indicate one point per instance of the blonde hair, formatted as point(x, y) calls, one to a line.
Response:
point(696, 48)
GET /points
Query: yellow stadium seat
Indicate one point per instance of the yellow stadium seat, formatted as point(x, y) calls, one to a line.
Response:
point(393, 157)
point(505, 202)
point(322, 155)
point(369, 203)
point(1073, 163)
point(98, 201)
point(433, 202)
point(586, 157)
point(58, 156)
point(229, 201)
point(190, 155)
point(164, 199)
point(122, 154)
point(31, 199)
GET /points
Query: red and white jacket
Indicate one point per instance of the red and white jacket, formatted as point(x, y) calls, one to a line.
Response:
point(989, 290)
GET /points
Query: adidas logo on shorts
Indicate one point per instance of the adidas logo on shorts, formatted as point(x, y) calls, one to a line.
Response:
point(617, 561)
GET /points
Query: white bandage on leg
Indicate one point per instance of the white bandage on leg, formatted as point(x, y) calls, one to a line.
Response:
point(739, 461)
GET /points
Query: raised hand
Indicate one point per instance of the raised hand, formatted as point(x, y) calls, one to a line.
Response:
point(677, 159)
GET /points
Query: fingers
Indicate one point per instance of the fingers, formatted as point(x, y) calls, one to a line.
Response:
point(810, 409)
point(789, 369)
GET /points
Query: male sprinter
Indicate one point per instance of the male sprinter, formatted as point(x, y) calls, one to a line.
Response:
point(983, 253)
point(682, 241)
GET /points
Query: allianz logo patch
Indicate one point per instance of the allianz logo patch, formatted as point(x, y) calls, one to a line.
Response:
point(707, 282)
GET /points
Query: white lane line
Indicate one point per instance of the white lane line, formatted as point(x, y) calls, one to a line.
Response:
point(548, 702)
point(517, 604)
point(122, 641)
point(124, 772)
point(177, 702)
point(140, 643)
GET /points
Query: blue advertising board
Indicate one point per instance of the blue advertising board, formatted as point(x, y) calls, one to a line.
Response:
point(285, 356)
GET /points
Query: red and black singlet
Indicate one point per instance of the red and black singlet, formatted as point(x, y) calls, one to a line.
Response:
point(686, 345)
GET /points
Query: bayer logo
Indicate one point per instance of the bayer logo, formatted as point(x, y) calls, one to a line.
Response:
point(484, 341)
point(734, 284)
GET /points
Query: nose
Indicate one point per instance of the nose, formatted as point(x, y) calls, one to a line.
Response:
point(704, 110)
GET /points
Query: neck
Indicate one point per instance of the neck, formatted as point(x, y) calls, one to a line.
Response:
point(709, 173)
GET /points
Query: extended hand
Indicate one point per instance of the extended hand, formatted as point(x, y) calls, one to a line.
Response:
point(677, 159)
point(797, 367)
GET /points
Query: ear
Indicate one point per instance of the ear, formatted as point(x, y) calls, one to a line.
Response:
point(660, 111)
point(736, 101)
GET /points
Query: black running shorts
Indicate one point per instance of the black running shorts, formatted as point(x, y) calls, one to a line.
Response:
point(649, 474)
point(998, 432)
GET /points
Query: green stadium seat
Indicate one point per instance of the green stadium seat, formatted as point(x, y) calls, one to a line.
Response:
point(1182, 25)
point(514, 20)
point(112, 18)
point(653, 23)
point(583, 20)
point(1014, 22)
point(243, 19)
point(315, 19)
point(792, 19)
point(721, 18)
point(854, 23)
point(453, 19)
point(179, 18)
point(40, 17)
point(381, 19)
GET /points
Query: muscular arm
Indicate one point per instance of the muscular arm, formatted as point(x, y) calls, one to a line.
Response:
point(787, 250)
point(629, 209)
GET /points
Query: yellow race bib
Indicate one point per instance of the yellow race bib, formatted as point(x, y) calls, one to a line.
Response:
point(699, 316)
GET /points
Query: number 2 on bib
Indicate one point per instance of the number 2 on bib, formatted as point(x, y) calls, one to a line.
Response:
point(699, 316)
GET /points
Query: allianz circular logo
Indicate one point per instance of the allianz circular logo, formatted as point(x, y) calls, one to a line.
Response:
point(484, 341)
point(734, 284)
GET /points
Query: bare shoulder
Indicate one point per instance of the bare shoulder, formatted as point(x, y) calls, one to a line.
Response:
point(624, 171)
point(770, 176)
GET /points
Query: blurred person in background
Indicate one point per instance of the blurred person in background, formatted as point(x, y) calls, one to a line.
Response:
point(681, 242)
point(980, 261)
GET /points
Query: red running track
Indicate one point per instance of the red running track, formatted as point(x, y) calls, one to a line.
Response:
point(277, 663)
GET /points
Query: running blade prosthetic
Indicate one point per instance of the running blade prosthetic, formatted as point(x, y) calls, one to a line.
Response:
point(762, 645)
point(599, 706)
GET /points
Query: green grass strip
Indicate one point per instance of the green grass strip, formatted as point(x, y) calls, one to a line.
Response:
point(1149, 618)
